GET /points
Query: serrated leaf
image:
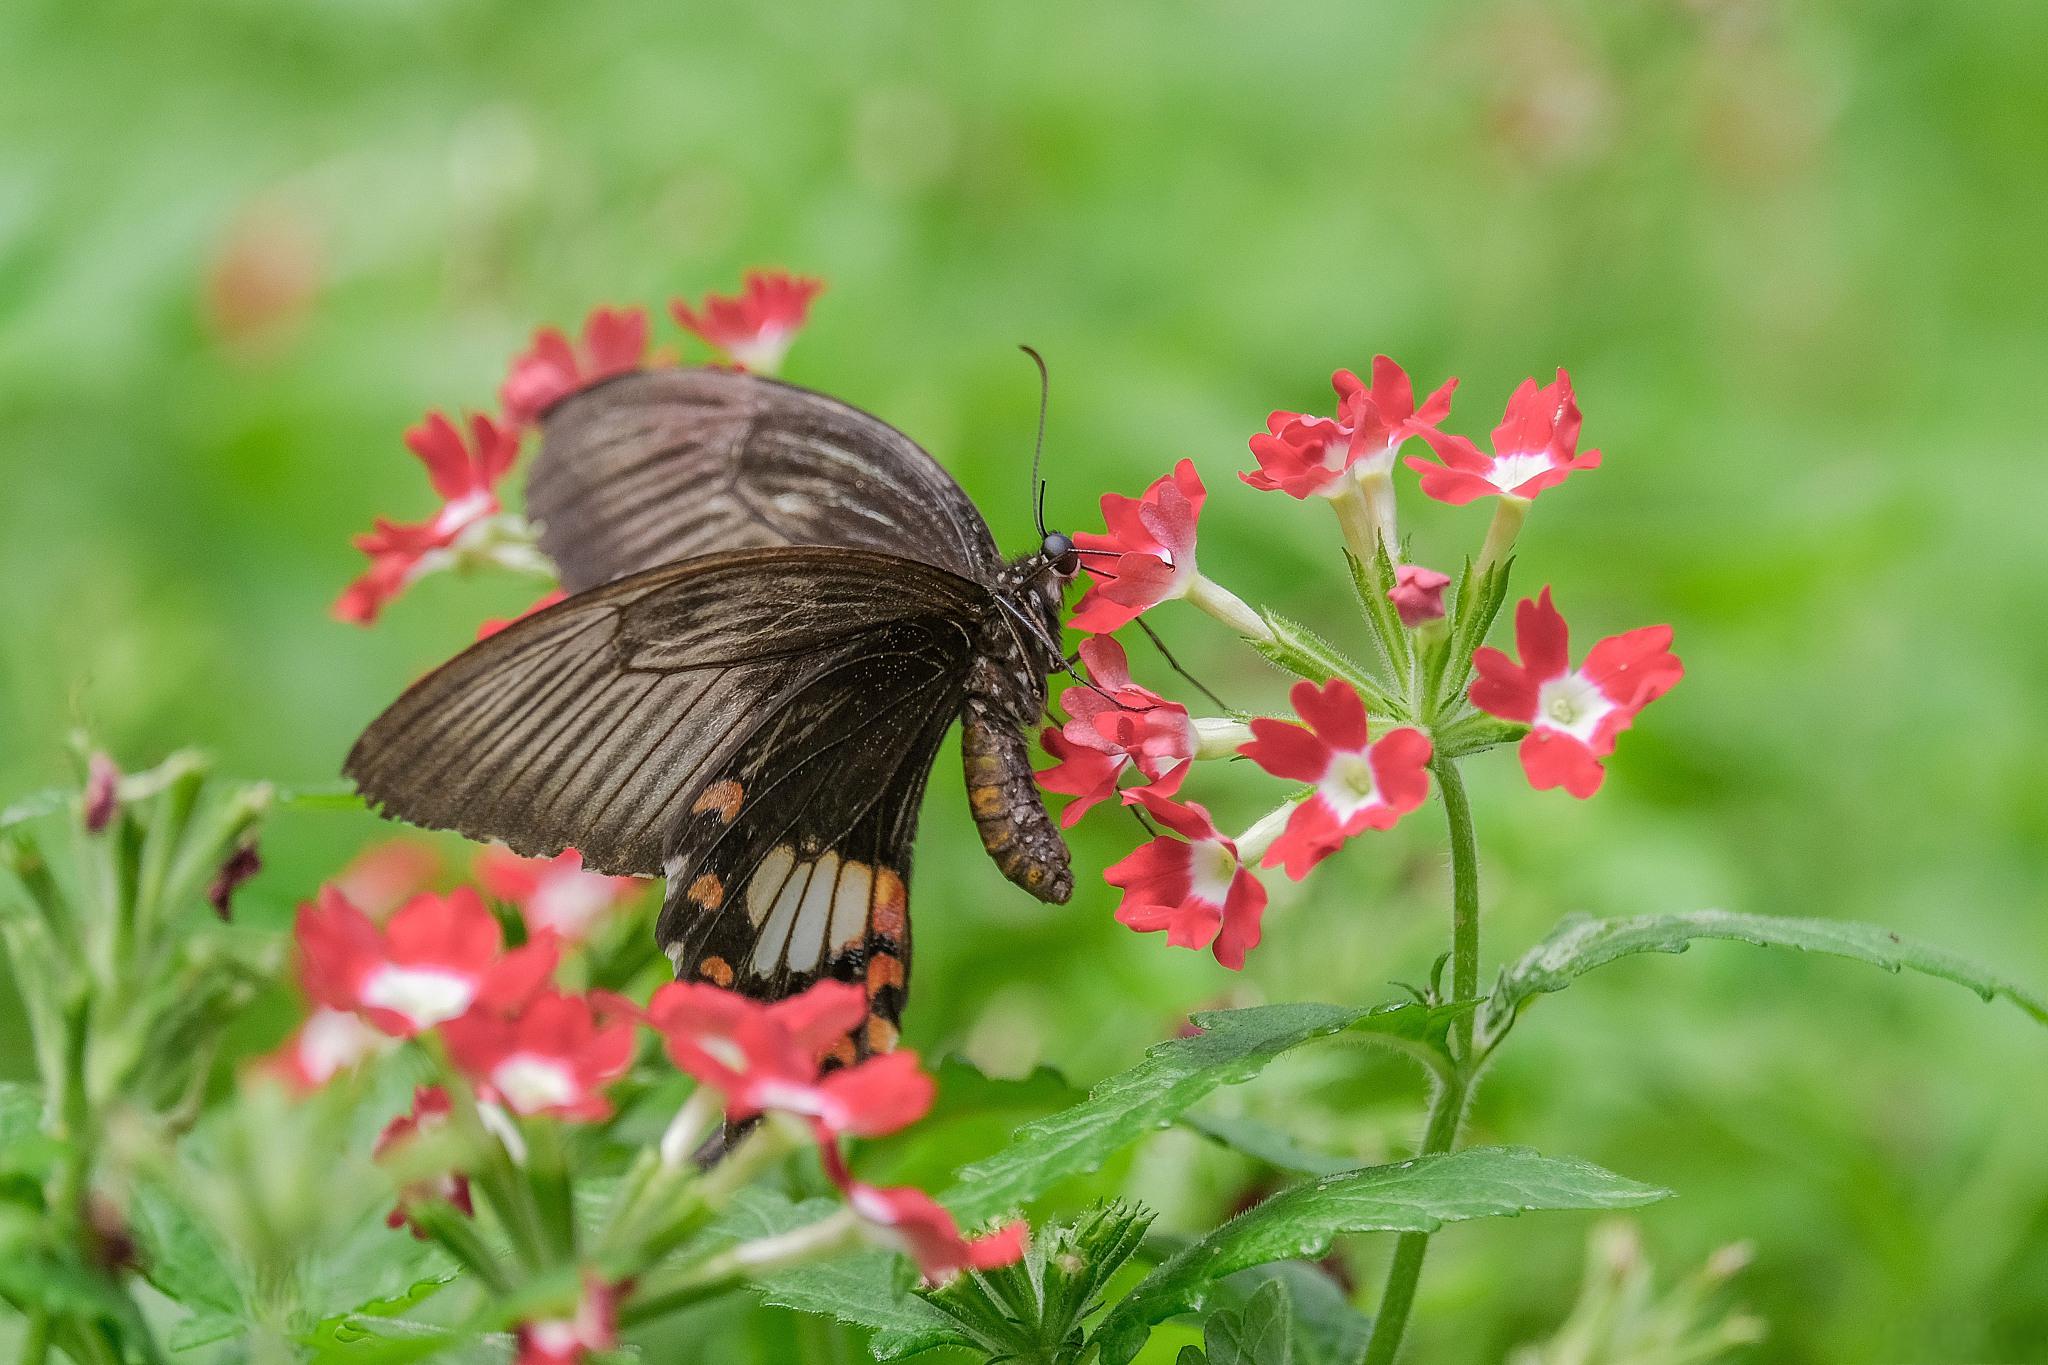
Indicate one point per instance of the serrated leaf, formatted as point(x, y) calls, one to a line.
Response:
point(1327, 1329)
point(1419, 1195)
point(1300, 651)
point(1579, 945)
point(182, 1258)
point(1261, 1333)
point(1234, 1046)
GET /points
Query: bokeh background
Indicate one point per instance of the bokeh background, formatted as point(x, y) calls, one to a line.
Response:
point(1792, 255)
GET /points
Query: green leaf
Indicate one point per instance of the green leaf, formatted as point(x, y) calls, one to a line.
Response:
point(1262, 1333)
point(1579, 945)
point(1234, 1046)
point(182, 1258)
point(1419, 1195)
point(1327, 1329)
point(1302, 652)
point(861, 1289)
point(1263, 1142)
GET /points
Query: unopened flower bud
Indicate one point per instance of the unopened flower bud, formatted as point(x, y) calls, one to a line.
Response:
point(1418, 594)
point(102, 792)
point(240, 866)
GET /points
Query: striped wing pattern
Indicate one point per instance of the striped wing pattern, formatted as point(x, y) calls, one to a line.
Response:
point(598, 723)
point(664, 464)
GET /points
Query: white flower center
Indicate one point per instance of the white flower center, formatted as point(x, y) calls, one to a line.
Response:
point(724, 1051)
point(1211, 866)
point(1510, 472)
point(569, 903)
point(424, 995)
point(1348, 784)
point(334, 1039)
point(1573, 704)
point(531, 1084)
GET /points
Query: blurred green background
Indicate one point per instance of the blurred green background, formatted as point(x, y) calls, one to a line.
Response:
point(1792, 255)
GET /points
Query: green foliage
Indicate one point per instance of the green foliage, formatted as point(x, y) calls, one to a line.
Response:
point(1420, 1195)
point(1261, 1333)
point(1577, 946)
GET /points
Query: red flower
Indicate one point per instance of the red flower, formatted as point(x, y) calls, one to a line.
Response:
point(555, 1056)
point(614, 343)
point(430, 1110)
point(756, 327)
point(912, 1222)
point(1115, 725)
point(1301, 455)
point(436, 957)
point(329, 1042)
point(593, 1326)
point(1418, 594)
point(1360, 784)
point(763, 1057)
point(387, 874)
point(466, 476)
point(1152, 541)
point(1573, 714)
point(1535, 447)
point(554, 895)
point(1195, 887)
point(493, 624)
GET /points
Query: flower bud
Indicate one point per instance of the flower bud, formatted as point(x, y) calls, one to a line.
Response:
point(1418, 594)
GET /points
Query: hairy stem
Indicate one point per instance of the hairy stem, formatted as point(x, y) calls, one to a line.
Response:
point(1454, 1093)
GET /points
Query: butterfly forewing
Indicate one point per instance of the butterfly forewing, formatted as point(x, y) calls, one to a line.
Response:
point(594, 724)
point(666, 464)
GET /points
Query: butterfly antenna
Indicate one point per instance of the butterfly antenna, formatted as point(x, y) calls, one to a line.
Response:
point(1038, 447)
point(1175, 665)
point(1052, 647)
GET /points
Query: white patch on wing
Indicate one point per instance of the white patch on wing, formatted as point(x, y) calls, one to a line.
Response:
point(850, 904)
point(789, 894)
point(807, 940)
point(768, 881)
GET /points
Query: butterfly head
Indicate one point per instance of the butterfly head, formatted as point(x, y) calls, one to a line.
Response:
point(1059, 555)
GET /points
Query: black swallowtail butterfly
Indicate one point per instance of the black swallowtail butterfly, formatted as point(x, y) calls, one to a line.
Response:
point(778, 605)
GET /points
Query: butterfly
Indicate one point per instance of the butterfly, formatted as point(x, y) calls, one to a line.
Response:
point(777, 605)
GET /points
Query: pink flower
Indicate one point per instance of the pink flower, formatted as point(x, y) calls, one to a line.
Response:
point(1535, 447)
point(1418, 594)
point(1195, 887)
point(1360, 784)
point(436, 957)
point(387, 874)
point(913, 1223)
point(1301, 455)
point(554, 895)
point(1573, 714)
point(430, 1110)
point(1113, 726)
point(102, 792)
point(614, 343)
point(328, 1043)
point(493, 624)
point(555, 1056)
point(756, 327)
point(1151, 541)
point(593, 1326)
point(770, 1056)
point(466, 475)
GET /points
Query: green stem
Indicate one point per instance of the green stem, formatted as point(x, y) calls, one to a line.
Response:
point(1454, 1094)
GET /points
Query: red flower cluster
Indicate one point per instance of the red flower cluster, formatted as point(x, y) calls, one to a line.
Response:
point(552, 368)
point(1151, 546)
point(1535, 447)
point(1193, 883)
point(554, 895)
point(755, 327)
point(1304, 456)
point(430, 1110)
point(777, 1058)
point(1114, 726)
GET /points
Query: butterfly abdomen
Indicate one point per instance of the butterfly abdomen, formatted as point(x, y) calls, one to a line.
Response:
point(1002, 791)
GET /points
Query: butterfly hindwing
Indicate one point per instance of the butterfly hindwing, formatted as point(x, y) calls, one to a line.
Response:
point(594, 724)
point(665, 464)
point(792, 861)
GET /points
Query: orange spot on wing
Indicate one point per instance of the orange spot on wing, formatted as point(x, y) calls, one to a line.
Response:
point(707, 891)
point(882, 1035)
point(843, 1051)
point(716, 970)
point(884, 971)
point(891, 915)
point(722, 799)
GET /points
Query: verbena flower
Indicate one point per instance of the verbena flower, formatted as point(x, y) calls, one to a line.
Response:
point(1360, 783)
point(1147, 555)
point(1418, 594)
point(430, 1110)
point(435, 958)
point(592, 1326)
point(1535, 447)
point(1306, 456)
point(1574, 715)
point(772, 1057)
point(913, 1223)
point(555, 1055)
point(554, 895)
point(465, 473)
point(614, 342)
point(1115, 726)
point(387, 874)
point(1191, 883)
point(755, 327)
point(327, 1043)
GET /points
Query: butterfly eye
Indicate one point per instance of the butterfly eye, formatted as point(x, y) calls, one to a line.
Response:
point(1060, 552)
